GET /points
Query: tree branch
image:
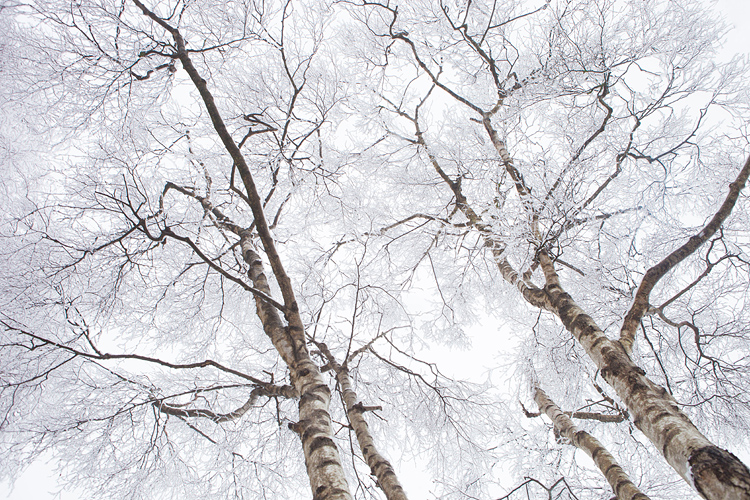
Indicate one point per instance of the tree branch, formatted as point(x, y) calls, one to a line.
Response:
point(655, 273)
point(616, 477)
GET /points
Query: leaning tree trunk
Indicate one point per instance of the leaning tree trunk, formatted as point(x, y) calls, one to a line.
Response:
point(380, 467)
point(324, 468)
point(716, 473)
point(322, 458)
point(616, 477)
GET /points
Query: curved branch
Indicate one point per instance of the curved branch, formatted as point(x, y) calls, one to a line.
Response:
point(608, 115)
point(286, 391)
point(653, 275)
point(218, 269)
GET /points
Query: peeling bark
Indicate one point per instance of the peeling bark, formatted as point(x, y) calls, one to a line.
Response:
point(616, 477)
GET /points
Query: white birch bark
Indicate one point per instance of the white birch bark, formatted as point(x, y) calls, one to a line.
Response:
point(380, 467)
point(322, 459)
point(714, 472)
point(616, 477)
point(326, 474)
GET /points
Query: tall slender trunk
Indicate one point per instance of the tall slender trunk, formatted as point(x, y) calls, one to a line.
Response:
point(380, 467)
point(716, 473)
point(322, 458)
point(324, 468)
point(616, 477)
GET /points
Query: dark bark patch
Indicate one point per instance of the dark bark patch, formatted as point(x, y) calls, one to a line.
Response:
point(578, 436)
point(598, 341)
point(711, 465)
point(660, 415)
point(320, 442)
point(596, 452)
point(313, 394)
point(387, 473)
point(309, 397)
point(617, 366)
point(320, 492)
point(323, 388)
point(325, 492)
point(585, 325)
point(635, 377)
point(319, 414)
point(609, 469)
point(383, 463)
point(564, 312)
point(311, 431)
point(671, 432)
point(361, 433)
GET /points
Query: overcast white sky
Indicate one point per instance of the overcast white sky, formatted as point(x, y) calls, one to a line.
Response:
point(736, 12)
point(38, 482)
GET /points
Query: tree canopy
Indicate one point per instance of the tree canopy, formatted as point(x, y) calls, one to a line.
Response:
point(371, 249)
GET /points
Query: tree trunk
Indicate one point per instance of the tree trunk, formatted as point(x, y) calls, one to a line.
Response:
point(616, 477)
point(716, 473)
point(379, 466)
point(322, 459)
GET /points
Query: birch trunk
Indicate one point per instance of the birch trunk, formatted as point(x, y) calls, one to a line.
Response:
point(322, 459)
point(616, 477)
point(379, 466)
point(714, 472)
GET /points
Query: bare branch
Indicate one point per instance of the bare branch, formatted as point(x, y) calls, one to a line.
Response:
point(655, 273)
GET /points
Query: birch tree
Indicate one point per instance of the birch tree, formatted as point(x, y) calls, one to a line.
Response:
point(535, 188)
point(240, 233)
point(111, 50)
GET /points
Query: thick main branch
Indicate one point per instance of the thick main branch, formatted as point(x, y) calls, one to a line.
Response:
point(657, 272)
point(326, 474)
point(716, 473)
